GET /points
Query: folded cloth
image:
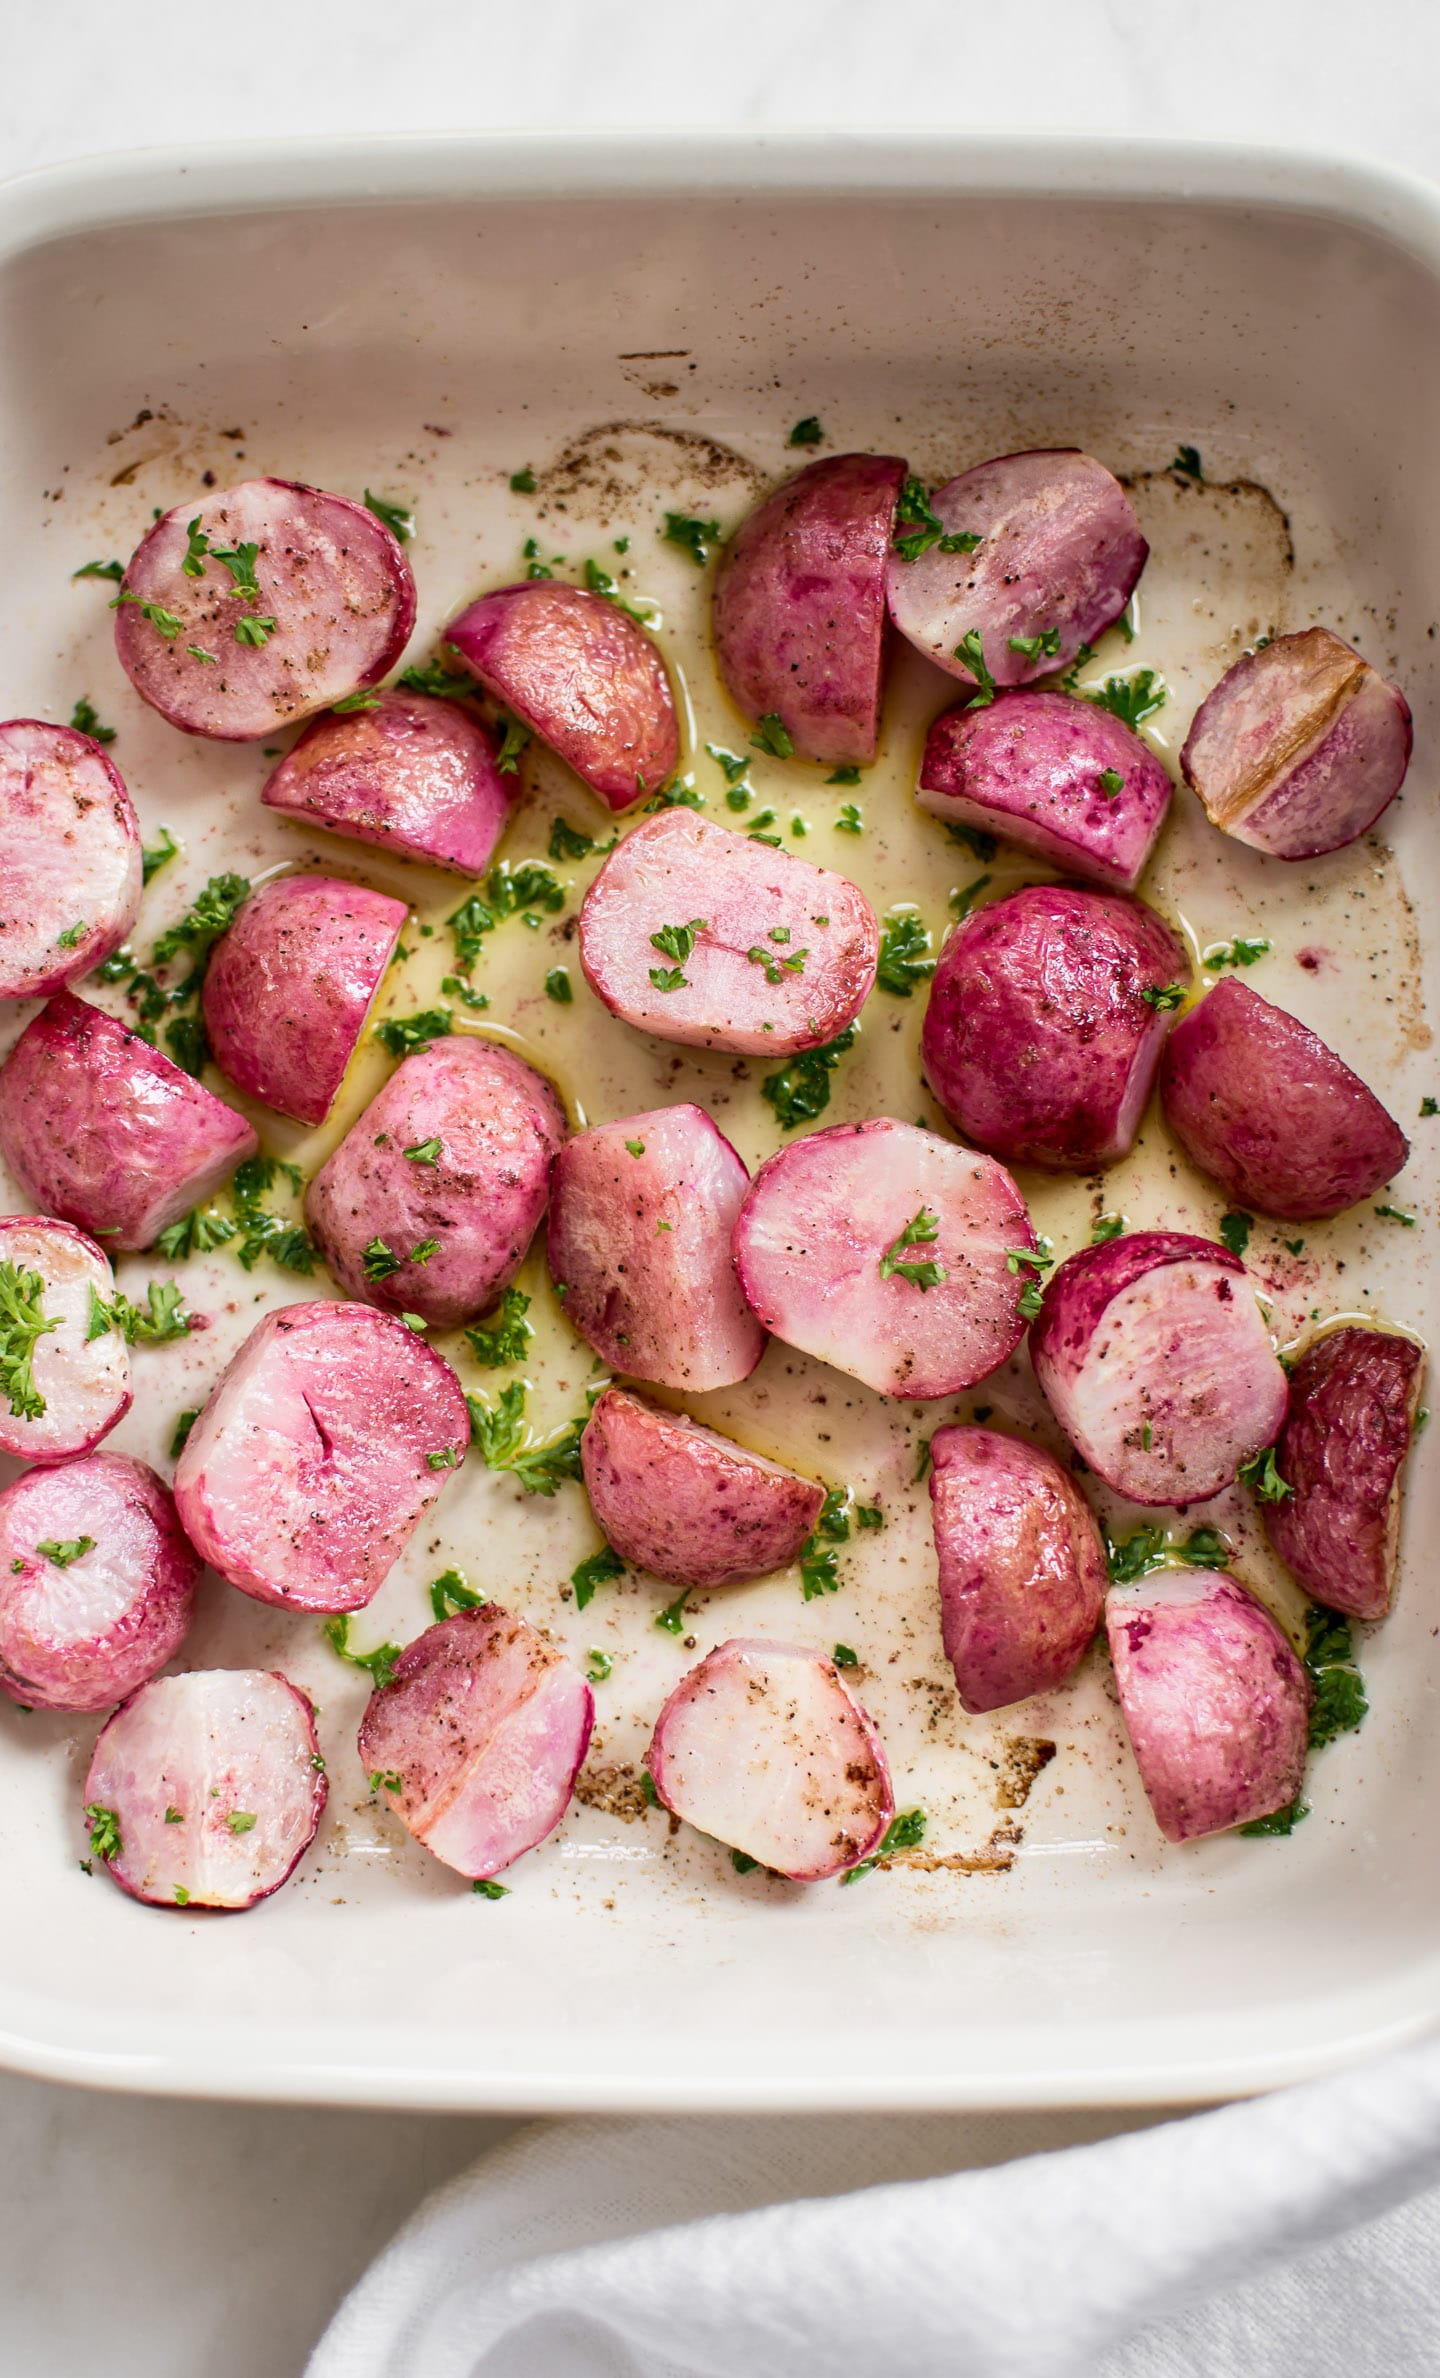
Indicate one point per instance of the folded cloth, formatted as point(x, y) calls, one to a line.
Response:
point(1297, 2234)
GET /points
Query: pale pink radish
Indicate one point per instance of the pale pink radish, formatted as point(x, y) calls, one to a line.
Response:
point(97, 1582)
point(1354, 1394)
point(79, 1384)
point(409, 772)
point(687, 1504)
point(1022, 1565)
point(289, 987)
point(1059, 776)
point(70, 868)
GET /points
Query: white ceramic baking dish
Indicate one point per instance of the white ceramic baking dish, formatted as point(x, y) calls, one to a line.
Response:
point(425, 318)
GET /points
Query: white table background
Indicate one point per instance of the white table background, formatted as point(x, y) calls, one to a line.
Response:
point(143, 2239)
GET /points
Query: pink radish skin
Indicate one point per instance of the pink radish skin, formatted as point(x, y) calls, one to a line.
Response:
point(83, 1381)
point(1155, 1360)
point(103, 1131)
point(1031, 767)
point(1216, 1704)
point(679, 1500)
point(486, 1726)
point(1354, 1394)
point(1061, 551)
point(1259, 1102)
point(289, 988)
point(83, 1634)
point(639, 1246)
point(415, 775)
point(331, 578)
point(1022, 1567)
point(186, 1763)
point(800, 606)
point(70, 874)
point(795, 993)
point(762, 1747)
point(1038, 1040)
point(577, 671)
point(307, 1472)
point(1300, 746)
point(819, 1220)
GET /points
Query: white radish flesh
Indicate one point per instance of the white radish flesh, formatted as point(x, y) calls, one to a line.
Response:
point(82, 1382)
point(97, 1582)
point(70, 862)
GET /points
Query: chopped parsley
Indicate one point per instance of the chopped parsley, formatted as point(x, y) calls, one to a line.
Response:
point(1430, 1106)
point(165, 1319)
point(1131, 698)
point(844, 1657)
point(403, 1035)
point(1147, 1548)
point(601, 1568)
point(807, 432)
point(440, 678)
point(85, 720)
point(1045, 646)
point(1338, 1701)
point(155, 855)
point(425, 1151)
point(254, 630)
point(905, 1832)
point(1242, 951)
point(635, 1147)
point(165, 623)
point(921, 1230)
point(398, 518)
point(195, 1234)
point(507, 759)
point(350, 703)
point(212, 914)
point(486, 1889)
point(1106, 1226)
point(450, 1593)
point(800, 1091)
point(567, 842)
point(1164, 997)
point(698, 538)
point(598, 1665)
point(1235, 1229)
point(387, 1779)
point(499, 1430)
point(918, 526)
point(672, 1617)
point(964, 899)
point(379, 1260)
point(241, 1820)
point(522, 482)
point(100, 569)
point(904, 953)
point(380, 1664)
point(819, 1568)
point(1187, 463)
point(981, 846)
point(72, 935)
point(1112, 783)
point(183, 1425)
point(850, 820)
point(104, 1823)
point(1035, 1262)
point(772, 735)
point(971, 651)
point(1281, 1821)
point(1395, 1214)
point(775, 965)
point(742, 1862)
point(1261, 1473)
point(61, 1554)
point(600, 582)
point(557, 986)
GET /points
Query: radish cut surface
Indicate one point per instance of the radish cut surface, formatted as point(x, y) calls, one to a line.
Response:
point(70, 865)
point(1022, 1566)
point(97, 1582)
point(289, 987)
point(687, 1504)
point(1354, 1393)
point(415, 775)
point(82, 1382)
point(1058, 775)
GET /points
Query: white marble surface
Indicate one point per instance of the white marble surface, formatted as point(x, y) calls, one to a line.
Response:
point(150, 2240)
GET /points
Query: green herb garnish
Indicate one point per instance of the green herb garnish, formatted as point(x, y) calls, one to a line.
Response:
point(1112, 783)
point(698, 538)
point(100, 569)
point(921, 1230)
point(104, 1823)
point(398, 518)
point(801, 1090)
point(772, 735)
point(904, 959)
point(380, 1664)
point(1131, 698)
point(183, 1425)
point(918, 526)
point(61, 1554)
point(971, 651)
point(155, 855)
point(906, 1832)
point(1261, 1473)
point(403, 1035)
point(499, 1430)
point(601, 1568)
point(1045, 646)
point(1187, 462)
point(557, 986)
point(1164, 997)
point(807, 432)
point(1235, 1229)
point(85, 719)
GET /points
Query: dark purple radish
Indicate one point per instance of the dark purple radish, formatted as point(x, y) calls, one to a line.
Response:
point(74, 1387)
point(687, 1504)
point(323, 1445)
point(1056, 556)
point(641, 1213)
point(1059, 776)
point(1259, 1102)
point(289, 987)
point(313, 600)
point(478, 1740)
point(431, 1200)
point(1045, 1024)
point(1216, 1704)
point(577, 671)
point(709, 937)
point(104, 1131)
point(762, 1747)
point(97, 1582)
point(70, 870)
point(1022, 1566)
point(889, 1252)
point(410, 773)
point(1299, 747)
point(1157, 1363)
point(206, 1790)
point(1354, 1394)
point(800, 606)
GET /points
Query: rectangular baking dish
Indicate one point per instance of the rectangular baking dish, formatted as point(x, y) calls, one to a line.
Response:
point(425, 318)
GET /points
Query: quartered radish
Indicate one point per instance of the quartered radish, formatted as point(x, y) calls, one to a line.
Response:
point(206, 1790)
point(1259, 1102)
point(762, 1747)
point(1046, 1021)
point(641, 1213)
point(1353, 1399)
point(577, 671)
point(889, 1252)
point(97, 1582)
point(1156, 1362)
point(104, 1131)
point(432, 1198)
point(1059, 776)
point(800, 606)
point(689, 1505)
point(1022, 1566)
point(409, 772)
point(1299, 747)
point(484, 1726)
point(323, 1445)
point(710, 937)
point(243, 611)
point(62, 1390)
point(1215, 1702)
point(289, 987)
point(70, 867)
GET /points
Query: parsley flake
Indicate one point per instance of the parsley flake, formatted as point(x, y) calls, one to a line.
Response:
point(425, 1151)
point(800, 1091)
point(698, 538)
point(971, 651)
point(601, 1568)
point(904, 960)
point(397, 517)
point(85, 720)
point(1235, 1229)
point(1164, 997)
point(772, 735)
point(922, 1229)
point(60, 1555)
point(104, 1823)
point(1131, 698)
point(918, 526)
point(380, 1664)
point(905, 1832)
point(807, 432)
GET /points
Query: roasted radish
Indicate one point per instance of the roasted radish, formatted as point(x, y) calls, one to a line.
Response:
point(1062, 777)
point(97, 1582)
point(1022, 1567)
point(685, 1503)
point(62, 1388)
point(1353, 1399)
point(416, 775)
point(70, 866)
point(290, 985)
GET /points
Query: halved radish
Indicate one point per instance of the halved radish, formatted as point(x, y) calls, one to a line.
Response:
point(1022, 1566)
point(641, 1213)
point(97, 1582)
point(206, 1790)
point(1216, 1704)
point(1060, 776)
point(889, 1252)
point(1259, 1102)
point(485, 1726)
point(705, 936)
point(1353, 1399)
point(762, 1747)
point(78, 1385)
point(411, 773)
point(104, 1131)
point(577, 671)
point(70, 870)
point(800, 606)
point(323, 1445)
point(685, 1503)
point(243, 611)
point(289, 987)
point(1157, 1363)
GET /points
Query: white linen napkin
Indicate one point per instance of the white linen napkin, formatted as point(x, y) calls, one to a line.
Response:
point(1296, 2236)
